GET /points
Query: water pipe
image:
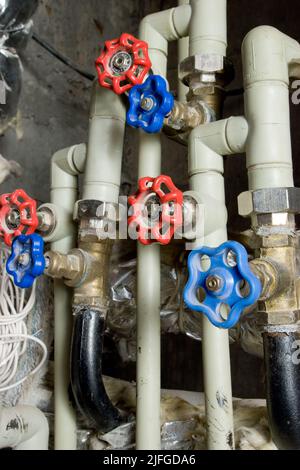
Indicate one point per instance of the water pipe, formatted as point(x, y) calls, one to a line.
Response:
point(183, 53)
point(23, 428)
point(157, 30)
point(102, 177)
point(206, 173)
point(269, 58)
point(66, 165)
point(208, 28)
point(208, 34)
point(101, 188)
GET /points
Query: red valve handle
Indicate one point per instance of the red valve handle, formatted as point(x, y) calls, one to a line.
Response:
point(124, 63)
point(25, 220)
point(170, 199)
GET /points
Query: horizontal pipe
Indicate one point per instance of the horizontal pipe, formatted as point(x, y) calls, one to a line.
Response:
point(224, 137)
point(282, 362)
point(86, 371)
point(23, 428)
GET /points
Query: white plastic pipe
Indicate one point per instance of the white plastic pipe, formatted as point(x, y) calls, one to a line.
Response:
point(102, 176)
point(224, 137)
point(206, 178)
point(268, 58)
point(208, 29)
point(208, 34)
point(64, 192)
point(156, 30)
point(23, 428)
point(183, 53)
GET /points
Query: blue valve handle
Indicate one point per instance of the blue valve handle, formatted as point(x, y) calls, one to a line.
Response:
point(226, 292)
point(149, 104)
point(26, 261)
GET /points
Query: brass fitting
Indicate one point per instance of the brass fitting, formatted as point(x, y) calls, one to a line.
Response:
point(93, 288)
point(206, 75)
point(268, 274)
point(68, 267)
point(185, 117)
point(46, 220)
point(276, 267)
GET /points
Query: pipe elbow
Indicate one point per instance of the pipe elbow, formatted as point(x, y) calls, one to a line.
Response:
point(23, 428)
point(281, 347)
point(157, 29)
point(86, 371)
point(265, 56)
point(66, 165)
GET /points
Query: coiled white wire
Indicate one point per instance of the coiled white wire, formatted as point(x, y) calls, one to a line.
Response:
point(14, 310)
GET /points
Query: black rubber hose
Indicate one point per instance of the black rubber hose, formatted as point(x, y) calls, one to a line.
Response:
point(86, 372)
point(282, 362)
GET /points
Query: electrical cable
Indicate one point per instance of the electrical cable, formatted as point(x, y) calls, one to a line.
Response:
point(14, 310)
point(62, 58)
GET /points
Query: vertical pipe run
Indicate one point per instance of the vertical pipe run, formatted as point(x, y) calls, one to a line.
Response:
point(183, 53)
point(208, 28)
point(156, 29)
point(148, 302)
point(267, 58)
point(208, 34)
point(64, 196)
point(206, 174)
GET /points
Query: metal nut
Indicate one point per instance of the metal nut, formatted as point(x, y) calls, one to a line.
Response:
point(269, 201)
point(208, 65)
point(96, 210)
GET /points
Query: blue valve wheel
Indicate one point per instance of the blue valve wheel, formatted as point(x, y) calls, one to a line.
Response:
point(27, 260)
point(221, 284)
point(149, 104)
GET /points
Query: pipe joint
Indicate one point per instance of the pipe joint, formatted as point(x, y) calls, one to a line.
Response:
point(185, 117)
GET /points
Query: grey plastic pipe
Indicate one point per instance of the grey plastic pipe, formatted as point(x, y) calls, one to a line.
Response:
point(64, 192)
point(269, 59)
point(157, 30)
point(23, 428)
point(183, 53)
point(102, 177)
point(208, 35)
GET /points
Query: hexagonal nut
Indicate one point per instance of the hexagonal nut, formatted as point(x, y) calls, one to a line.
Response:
point(201, 63)
point(90, 209)
point(269, 201)
point(206, 65)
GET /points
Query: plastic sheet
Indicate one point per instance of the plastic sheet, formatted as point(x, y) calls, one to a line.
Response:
point(175, 316)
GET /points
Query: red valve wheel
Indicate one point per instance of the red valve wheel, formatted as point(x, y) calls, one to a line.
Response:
point(123, 63)
point(160, 225)
point(18, 216)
